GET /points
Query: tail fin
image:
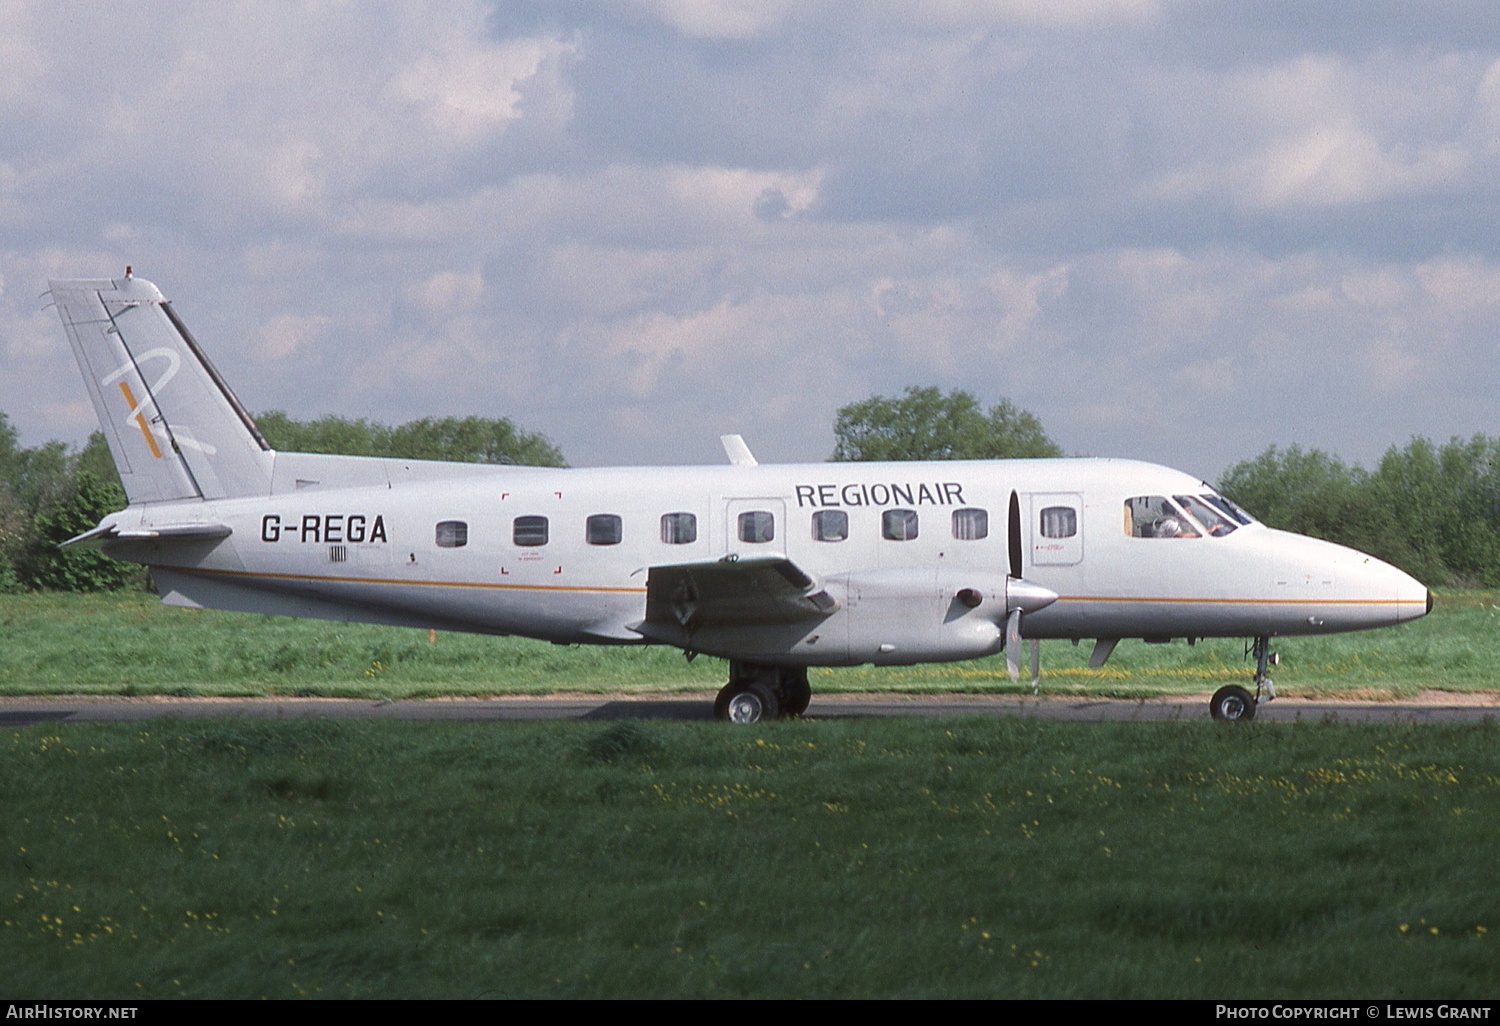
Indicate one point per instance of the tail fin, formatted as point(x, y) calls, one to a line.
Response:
point(175, 429)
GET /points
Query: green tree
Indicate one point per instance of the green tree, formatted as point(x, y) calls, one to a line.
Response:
point(473, 440)
point(1446, 505)
point(461, 439)
point(73, 569)
point(31, 480)
point(926, 424)
point(1433, 511)
point(1302, 490)
point(96, 459)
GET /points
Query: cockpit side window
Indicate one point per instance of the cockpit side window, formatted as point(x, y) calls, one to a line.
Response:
point(1154, 516)
point(1215, 523)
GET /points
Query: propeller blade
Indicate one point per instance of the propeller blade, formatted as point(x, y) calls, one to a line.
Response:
point(1013, 645)
point(1036, 665)
point(1013, 535)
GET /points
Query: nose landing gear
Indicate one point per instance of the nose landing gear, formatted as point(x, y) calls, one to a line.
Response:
point(1234, 703)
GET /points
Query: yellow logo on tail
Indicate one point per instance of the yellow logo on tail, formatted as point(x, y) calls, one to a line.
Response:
point(140, 419)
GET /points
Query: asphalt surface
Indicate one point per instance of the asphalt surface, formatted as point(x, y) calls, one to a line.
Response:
point(22, 712)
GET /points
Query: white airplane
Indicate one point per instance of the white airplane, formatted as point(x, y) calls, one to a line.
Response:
point(774, 568)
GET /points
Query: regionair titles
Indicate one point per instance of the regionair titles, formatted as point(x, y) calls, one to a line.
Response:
point(921, 493)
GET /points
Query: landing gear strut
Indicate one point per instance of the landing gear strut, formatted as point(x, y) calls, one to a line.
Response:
point(1234, 702)
point(755, 693)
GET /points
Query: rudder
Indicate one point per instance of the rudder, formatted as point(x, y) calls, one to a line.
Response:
point(174, 428)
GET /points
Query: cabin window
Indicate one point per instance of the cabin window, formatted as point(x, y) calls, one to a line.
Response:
point(679, 528)
point(1215, 522)
point(898, 524)
point(971, 524)
point(604, 529)
point(452, 534)
point(530, 531)
point(757, 527)
point(1154, 516)
point(1059, 522)
point(830, 525)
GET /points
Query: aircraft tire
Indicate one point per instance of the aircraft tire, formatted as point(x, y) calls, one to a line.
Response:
point(1232, 704)
point(747, 702)
point(796, 694)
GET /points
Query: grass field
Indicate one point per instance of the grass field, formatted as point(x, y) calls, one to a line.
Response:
point(131, 644)
point(962, 858)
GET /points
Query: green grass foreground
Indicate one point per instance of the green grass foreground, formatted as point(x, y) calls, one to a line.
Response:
point(131, 644)
point(964, 858)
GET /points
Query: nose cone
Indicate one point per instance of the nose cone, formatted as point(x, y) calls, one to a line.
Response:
point(1380, 594)
point(1413, 599)
point(1347, 589)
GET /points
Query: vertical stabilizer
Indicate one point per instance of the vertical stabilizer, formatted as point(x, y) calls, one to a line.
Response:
point(175, 429)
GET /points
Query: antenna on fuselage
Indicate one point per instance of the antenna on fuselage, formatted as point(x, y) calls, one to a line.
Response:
point(738, 452)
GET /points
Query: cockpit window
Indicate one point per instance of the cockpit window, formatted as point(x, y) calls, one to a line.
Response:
point(1215, 523)
point(1228, 507)
point(1154, 516)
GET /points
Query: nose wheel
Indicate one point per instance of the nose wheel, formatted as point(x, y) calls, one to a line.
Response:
point(1234, 703)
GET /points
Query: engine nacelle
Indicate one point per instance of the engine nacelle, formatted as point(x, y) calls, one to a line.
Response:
point(894, 617)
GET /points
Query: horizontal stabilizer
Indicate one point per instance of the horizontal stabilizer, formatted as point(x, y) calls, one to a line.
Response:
point(745, 592)
point(110, 531)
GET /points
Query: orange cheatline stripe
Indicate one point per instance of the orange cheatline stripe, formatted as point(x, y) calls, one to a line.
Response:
point(490, 585)
point(140, 420)
point(498, 586)
point(1244, 601)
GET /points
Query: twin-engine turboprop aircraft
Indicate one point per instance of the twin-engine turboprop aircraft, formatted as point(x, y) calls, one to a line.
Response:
point(774, 568)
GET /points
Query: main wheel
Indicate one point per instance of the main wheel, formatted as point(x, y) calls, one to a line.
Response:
point(795, 694)
point(1232, 703)
point(747, 702)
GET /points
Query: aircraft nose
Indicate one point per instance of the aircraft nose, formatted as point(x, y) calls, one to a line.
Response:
point(1413, 598)
point(1355, 590)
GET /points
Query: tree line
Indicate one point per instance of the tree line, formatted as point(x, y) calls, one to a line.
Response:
point(51, 493)
point(1433, 510)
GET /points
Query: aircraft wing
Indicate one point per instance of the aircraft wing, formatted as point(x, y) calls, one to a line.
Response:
point(731, 593)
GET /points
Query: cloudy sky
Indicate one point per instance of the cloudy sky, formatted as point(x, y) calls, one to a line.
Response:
point(1178, 230)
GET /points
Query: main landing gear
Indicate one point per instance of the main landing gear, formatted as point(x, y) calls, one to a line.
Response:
point(755, 693)
point(1233, 702)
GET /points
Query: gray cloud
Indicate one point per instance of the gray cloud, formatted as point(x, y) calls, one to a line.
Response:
point(1173, 230)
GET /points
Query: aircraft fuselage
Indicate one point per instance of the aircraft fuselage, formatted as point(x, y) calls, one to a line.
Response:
point(363, 539)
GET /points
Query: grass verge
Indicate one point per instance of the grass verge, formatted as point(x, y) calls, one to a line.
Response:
point(963, 858)
point(131, 644)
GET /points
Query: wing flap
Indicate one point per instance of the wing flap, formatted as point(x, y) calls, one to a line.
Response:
point(732, 593)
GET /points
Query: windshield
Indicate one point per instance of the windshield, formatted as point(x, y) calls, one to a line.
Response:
point(1213, 520)
point(1230, 508)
